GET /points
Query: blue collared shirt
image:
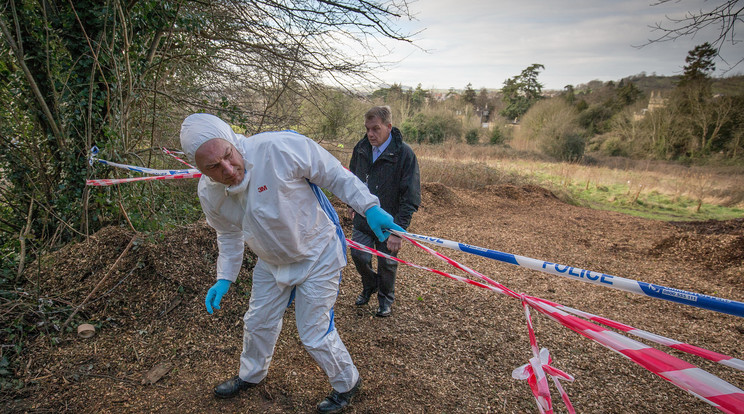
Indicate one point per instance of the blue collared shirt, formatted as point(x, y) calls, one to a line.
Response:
point(377, 151)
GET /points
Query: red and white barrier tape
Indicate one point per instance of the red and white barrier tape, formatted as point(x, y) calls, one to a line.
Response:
point(173, 154)
point(698, 382)
point(112, 181)
point(681, 346)
point(535, 368)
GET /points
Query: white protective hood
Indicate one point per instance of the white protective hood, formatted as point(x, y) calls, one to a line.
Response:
point(197, 129)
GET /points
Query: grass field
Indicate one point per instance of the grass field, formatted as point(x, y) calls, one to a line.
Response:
point(652, 189)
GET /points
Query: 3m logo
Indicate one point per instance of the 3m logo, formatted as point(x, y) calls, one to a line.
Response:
point(262, 188)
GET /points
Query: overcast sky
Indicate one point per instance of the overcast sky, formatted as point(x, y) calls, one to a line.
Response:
point(484, 42)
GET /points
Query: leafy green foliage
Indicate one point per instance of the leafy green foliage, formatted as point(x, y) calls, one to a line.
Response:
point(596, 119)
point(699, 64)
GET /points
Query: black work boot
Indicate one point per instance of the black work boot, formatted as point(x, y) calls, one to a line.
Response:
point(362, 299)
point(337, 401)
point(232, 387)
point(385, 310)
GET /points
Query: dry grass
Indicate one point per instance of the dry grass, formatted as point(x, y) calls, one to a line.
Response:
point(478, 166)
point(718, 185)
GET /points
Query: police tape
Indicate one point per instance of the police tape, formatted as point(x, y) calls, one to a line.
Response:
point(538, 368)
point(111, 181)
point(155, 173)
point(173, 154)
point(722, 359)
point(709, 388)
point(700, 383)
point(534, 371)
point(680, 346)
point(143, 170)
point(713, 303)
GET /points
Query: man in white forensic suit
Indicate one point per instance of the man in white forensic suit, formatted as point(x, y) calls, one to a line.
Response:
point(264, 191)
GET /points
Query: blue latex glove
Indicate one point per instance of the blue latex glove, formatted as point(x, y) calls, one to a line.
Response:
point(378, 219)
point(215, 294)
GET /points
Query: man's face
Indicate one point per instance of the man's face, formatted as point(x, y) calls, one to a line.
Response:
point(377, 132)
point(220, 161)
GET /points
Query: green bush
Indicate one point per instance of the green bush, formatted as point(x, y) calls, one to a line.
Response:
point(497, 137)
point(554, 125)
point(614, 147)
point(431, 128)
point(569, 147)
point(595, 119)
point(471, 137)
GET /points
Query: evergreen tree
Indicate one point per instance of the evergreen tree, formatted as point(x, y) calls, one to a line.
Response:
point(469, 94)
point(522, 91)
point(699, 65)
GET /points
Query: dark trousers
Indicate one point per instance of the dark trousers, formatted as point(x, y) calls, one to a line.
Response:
point(383, 280)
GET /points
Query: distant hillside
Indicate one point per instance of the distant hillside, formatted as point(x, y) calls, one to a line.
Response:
point(733, 85)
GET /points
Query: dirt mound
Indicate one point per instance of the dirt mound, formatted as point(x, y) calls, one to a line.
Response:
point(523, 192)
point(74, 268)
point(186, 254)
point(449, 347)
point(735, 226)
point(437, 194)
point(715, 244)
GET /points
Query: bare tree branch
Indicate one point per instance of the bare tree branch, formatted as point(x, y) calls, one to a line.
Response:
point(724, 16)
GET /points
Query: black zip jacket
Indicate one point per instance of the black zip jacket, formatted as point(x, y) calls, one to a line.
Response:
point(393, 178)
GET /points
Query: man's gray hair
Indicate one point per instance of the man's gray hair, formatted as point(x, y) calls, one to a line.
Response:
point(382, 112)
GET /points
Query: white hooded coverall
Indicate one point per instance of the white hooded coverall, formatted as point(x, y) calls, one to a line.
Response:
point(286, 220)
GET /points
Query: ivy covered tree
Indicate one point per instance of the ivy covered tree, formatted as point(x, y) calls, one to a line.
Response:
point(704, 115)
point(122, 74)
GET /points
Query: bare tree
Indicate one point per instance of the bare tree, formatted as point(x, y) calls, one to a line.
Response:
point(723, 15)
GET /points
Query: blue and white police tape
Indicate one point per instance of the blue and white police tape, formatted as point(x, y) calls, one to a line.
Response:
point(144, 170)
point(713, 303)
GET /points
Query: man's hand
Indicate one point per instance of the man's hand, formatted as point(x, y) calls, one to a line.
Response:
point(394, 243)
point(351, 213)
point(215, 294)
point(378, 219)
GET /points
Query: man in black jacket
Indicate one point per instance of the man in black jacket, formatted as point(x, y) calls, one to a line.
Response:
point(389, 168)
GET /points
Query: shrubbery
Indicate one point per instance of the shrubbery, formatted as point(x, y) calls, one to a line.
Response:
point(472, 136)
point(431, 128)
point(568, 147)
point(554, 125)
point(497, 137)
